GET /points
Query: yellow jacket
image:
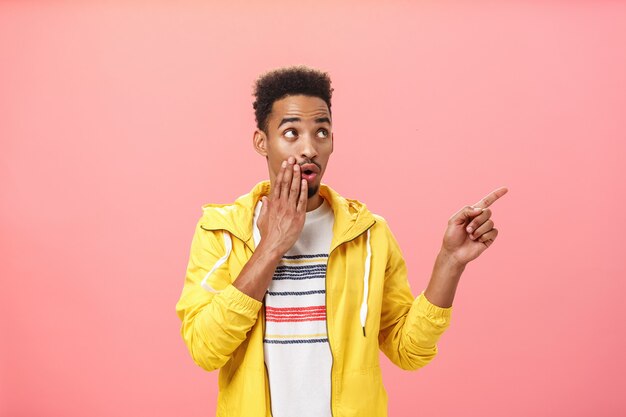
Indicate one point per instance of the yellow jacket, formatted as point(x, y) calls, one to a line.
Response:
point(368, 302)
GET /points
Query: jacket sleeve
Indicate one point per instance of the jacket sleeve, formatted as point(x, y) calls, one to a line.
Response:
point(214, 324)
point(410, 327)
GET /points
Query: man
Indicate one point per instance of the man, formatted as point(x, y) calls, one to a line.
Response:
point(291, 290)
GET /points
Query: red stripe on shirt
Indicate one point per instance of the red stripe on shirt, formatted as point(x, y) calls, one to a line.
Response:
point(293, 320)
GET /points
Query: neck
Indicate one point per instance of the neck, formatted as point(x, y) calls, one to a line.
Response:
point(314, 202)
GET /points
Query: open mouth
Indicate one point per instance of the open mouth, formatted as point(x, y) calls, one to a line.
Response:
point(310, 171)
point(309, 175)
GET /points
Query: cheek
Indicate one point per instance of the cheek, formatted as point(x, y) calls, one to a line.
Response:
point(278, 150)
point(279, 153)
point(275, 161)
point(275, 167)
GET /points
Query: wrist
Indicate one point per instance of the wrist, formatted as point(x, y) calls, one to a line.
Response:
point(269, 251)
point(447, 259)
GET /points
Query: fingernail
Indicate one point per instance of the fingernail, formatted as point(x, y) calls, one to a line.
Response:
point(284, 164)
point(469, 229)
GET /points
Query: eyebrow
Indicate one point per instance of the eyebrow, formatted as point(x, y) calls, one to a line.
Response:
point(297, 119)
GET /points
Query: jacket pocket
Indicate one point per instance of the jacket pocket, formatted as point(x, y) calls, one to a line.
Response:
point(362, 393)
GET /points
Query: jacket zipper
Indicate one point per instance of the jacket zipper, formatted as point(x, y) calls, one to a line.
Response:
point(267, 374)
point(327, 329)
point(332, 358)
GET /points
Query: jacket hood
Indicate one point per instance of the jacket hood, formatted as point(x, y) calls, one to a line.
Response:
point(352, 217)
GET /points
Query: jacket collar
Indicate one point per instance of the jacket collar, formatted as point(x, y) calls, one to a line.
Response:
point(351, 216)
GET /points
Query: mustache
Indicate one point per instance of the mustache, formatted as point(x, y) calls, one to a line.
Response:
point(311, 162)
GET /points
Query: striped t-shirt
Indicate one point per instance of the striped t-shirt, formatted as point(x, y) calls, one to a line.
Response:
point(297, 353)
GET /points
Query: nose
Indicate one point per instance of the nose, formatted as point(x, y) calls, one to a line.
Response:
point(308, 149)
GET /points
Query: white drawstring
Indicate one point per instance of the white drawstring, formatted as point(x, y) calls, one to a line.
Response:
point(366, 277)
point(229, 245)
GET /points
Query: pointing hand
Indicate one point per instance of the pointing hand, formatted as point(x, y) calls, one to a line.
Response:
point(471, 231)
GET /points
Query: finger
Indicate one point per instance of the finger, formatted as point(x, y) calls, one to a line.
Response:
point(286, 183)
point(304, 191)
point(279, 179)
point(484, 228)
point(295, 186)
point(489, 237)
point(478, 220)
point(461, 216)
point(490, 198)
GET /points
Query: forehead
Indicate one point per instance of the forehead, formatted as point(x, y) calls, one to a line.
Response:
point(301, 106)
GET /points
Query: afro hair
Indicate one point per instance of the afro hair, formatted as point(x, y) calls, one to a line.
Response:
point(281, 82)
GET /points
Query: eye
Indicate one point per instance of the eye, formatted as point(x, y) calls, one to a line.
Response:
point(324, 133)
point(290, 133)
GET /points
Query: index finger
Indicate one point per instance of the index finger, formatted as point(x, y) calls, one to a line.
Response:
point(490, 198)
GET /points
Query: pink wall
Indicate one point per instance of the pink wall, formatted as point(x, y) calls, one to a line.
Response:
point(119, 120)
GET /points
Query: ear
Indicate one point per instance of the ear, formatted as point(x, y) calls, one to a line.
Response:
point(259, 141)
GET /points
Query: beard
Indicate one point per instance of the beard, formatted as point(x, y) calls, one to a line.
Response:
point(311, 191)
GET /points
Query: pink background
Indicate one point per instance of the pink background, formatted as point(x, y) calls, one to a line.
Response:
point(118, 120)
